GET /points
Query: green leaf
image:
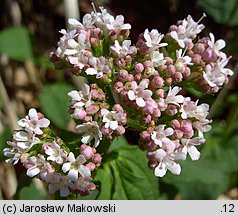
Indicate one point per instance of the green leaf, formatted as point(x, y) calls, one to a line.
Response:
point(225, 12)
point(54, 103)
point(31, 192)
point(15, 42)
point(126, 175)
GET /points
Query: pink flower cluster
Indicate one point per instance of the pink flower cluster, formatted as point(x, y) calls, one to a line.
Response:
point(47, 157)
point(140, 86)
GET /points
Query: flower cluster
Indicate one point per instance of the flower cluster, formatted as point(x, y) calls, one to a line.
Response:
point(47, 157)
point(140, 86)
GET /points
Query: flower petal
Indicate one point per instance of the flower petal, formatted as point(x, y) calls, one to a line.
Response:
point(160, 170)
point(73, 175)
point(194, 153)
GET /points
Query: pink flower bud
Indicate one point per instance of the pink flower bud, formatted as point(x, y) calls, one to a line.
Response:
point(145, 135)
point(92, 109)
point(118, 108)
point(91, 166)
point(209, 55)
point(152, 164)
point(118, 87)
point(157, 82)
point(186, 126)
point(151, 146)
point(178, 134)
point(157, 113)
point(87, 152)
point(97, 158)
point(139, 67)
point(94, 42)
point(123, 75)
point(148, 64)
point(160, 93)
point(177, 77)
point(169, 60)
point(171, 110)
point(120, 130)
point(175, 124)
point(199, 48)
point(173, 28)
point(79, 113)
point(169, 81)
point(186, 72)
point(170, 70)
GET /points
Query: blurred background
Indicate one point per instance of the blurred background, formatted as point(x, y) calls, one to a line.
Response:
point(29, 31)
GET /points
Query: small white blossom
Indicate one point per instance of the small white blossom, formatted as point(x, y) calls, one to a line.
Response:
point(110, 119)
point(166, 162)
point(215, 74)
point(75, 167)
point(216, 46)
point(190, 109)
point(99, 67)
point(153, 39)
point(118, 24)
point(161, 134)
point(202, 126)
point(55, 152)
point(124, 49)
point(21, 143)
point(81, 184)
point(81, 98)
point(190, 147)
point(186, 30)
point(38, 165)
point(139, 93)
point(171, 98)
point(32, 123)
point(90, 131)
point(58, 182)
point(157, 58)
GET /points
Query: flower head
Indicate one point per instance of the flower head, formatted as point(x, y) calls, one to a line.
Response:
point(33, 122)
point(90, 131)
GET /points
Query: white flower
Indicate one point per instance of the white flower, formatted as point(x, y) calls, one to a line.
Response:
point(186, 30)
point(32, 123)
point(171, 98)
point(75, 167)
point(124, 49)
point(190, 147)
point(38, 165)
point(13, 153)
point(190, 109)
point(153, 39)
point(91, 131)
point(110, 119)
point(202, 126)
point(99, 67)
point(166, 161)
point(55, 152)
point(157, 58)
point(118, 24)
point(58, 182)
point(21, 143)
point(81, 184)
point(183, 59)
point(139, 93)
point(215, 74)
point(160, 135)
point(216, 46)
point(25, 140)
point(81, 98)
